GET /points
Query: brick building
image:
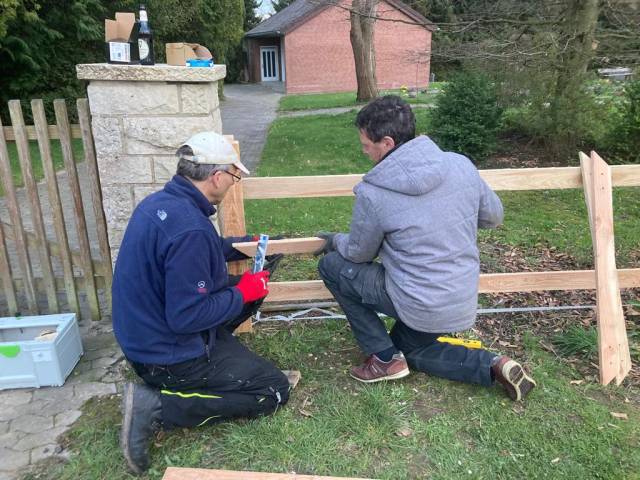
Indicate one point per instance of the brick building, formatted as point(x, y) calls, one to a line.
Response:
point(307, 47)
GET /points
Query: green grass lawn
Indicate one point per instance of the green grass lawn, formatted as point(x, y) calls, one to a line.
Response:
point(36, 162)
point(315, 101)
point(421, 426)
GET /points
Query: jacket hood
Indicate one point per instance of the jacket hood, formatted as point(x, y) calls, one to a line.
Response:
point(414, 168)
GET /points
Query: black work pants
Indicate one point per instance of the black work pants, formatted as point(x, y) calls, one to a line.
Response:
point(232, 382)
point(360, 290)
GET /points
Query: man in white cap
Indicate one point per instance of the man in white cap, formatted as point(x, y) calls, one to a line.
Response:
point(175, 307)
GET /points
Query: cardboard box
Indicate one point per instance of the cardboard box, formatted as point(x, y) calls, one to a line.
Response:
point(120, 44)
point(179, 53)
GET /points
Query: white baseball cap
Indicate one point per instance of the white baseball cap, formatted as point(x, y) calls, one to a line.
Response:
point(211, 148)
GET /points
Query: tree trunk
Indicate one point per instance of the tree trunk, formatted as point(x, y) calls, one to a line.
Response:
point(364, 53)
point(577, 40)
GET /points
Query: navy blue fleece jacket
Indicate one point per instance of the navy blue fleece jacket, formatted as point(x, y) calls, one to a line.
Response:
point(170, 284)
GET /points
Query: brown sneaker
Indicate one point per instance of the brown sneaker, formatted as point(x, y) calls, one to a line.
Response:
point(375, 370)
point(513, 378)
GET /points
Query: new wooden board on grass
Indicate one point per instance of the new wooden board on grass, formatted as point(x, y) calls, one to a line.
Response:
point(176, 473)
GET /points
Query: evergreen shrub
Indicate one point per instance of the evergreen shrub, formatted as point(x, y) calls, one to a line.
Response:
point(467, 117)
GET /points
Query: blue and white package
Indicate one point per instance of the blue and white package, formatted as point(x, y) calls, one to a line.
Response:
point(261, 252)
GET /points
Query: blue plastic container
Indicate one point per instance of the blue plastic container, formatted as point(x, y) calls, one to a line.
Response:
point(195, 62)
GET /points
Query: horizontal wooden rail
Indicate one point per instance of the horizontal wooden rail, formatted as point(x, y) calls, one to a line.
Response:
point(76, 132)
point(500, 179)
point(489, 283)
point(288, 246)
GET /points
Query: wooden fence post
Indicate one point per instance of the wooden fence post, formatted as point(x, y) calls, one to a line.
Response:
point(613, 347)
point(44, 144)
point(232, 224)
point(6, 277)
point(84, 117)
point(31, 189)
point(64, 130)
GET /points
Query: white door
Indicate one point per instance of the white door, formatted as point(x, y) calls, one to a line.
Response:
point(269, 64)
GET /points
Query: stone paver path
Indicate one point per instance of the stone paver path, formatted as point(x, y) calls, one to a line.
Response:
point(247, 111)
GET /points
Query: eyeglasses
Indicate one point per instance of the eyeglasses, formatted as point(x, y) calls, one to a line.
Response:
point(236, 178)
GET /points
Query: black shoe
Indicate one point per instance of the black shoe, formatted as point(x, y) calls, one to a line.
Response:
point(141, 418)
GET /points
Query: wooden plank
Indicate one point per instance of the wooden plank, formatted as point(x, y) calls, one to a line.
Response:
point(608, 353)
point(178, 473)
point(32, 134)
point(64, 253)
point(587, 181)
point(96, 194)
point(31, 189)
point(62, 120)
point(288, 246)
point(286, 187)
point(499, 179)
point(609, 303)
point(7, 278)
point(54, 248)
point(489, 283)
point(232, 224)
point(18, 230)
point(604, 344)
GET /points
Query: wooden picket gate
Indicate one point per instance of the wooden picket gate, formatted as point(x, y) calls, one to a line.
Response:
point(78, 272)
point(594, 176)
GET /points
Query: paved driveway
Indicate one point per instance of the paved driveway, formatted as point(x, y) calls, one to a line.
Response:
point(247, 111)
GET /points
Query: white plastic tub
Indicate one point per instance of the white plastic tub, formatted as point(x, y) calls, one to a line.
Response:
point(29, 357)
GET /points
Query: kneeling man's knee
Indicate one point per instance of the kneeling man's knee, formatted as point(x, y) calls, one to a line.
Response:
point(329, 266)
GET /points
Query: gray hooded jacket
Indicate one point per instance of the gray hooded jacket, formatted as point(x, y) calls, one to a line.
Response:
point(419, 209)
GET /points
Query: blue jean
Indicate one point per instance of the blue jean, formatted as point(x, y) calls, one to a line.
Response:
point(360, 290)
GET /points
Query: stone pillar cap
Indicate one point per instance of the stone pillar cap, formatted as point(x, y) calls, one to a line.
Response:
point(149, 73)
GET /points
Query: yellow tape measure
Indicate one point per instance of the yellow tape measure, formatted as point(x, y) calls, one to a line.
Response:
point(461, 341)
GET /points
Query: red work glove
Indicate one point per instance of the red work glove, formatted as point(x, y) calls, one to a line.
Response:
point(253, 286)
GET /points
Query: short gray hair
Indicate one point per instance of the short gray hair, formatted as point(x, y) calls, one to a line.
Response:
point(195, 171)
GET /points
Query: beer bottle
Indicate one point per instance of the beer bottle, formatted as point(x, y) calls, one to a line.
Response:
point(145, 39)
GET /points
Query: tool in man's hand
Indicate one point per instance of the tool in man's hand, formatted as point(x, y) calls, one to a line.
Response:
point(461, 341)
point(261, 251)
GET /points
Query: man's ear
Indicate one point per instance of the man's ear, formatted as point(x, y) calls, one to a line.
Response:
point(388, 142)
point(215, 178)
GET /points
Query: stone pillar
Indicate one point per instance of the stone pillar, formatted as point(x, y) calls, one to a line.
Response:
point(140, 115)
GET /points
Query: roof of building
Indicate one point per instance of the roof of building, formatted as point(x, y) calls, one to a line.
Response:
point(302, 10)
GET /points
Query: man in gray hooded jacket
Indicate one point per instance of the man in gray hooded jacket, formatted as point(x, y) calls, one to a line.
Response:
point(418, 209)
